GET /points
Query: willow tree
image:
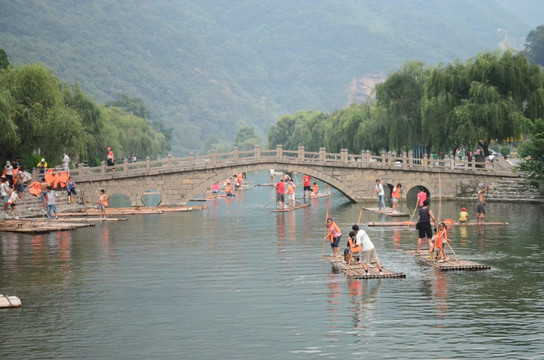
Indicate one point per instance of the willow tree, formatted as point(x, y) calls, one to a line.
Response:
point(532, 152)
point(445, 87)
point(400, 96)
point(485, 115)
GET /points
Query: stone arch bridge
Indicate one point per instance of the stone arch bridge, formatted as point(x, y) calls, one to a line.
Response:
point(180, 180)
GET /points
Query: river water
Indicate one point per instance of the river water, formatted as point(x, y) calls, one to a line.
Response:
point(236, 281)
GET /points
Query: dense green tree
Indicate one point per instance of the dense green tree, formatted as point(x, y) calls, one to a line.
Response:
point(534, 46)
point(533, 153)
point(401, 95)
point(39, 113)
point(4, 62)
point(484, 115)
point(246, 138)
point(133, 106)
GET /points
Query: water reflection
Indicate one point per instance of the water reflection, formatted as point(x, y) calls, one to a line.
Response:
point(440, 293)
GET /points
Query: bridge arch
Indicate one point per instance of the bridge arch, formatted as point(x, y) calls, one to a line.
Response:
point(314, 172)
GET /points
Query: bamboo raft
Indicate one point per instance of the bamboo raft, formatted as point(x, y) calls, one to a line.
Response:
point(451, 264)
point(297, 206)
point(320, 195)
point(9, 302)
point(357, 271)
point(388, 212)
point(413, 223)
point(90, 219)
point(39, 226)
point(131, 211)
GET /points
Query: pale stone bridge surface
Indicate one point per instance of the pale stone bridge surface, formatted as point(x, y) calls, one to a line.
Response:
point(180, 180)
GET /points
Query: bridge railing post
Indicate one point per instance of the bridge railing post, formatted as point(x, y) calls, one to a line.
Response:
point(103, 168)
point(279, 152)
point(473, 163)
point(367, 157)
point(344, 156)
point(322, 154)
point(169, 162)
point(214, 157)
point(410, 159)
point(192, 160)
point(301, 153)
point(147, 165)
point(404, 160)
point(452, 162)
point(235, 154)
point(125, 166)
point(257, 152)
point(383, 159)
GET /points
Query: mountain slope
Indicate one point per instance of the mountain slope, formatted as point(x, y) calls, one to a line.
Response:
point(212, 66)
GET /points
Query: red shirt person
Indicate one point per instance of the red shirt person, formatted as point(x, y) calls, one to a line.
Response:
point(280, 195)
point(306, 180)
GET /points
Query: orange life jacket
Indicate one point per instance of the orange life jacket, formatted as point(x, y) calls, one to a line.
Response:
point(353, 246)
point(331, 238)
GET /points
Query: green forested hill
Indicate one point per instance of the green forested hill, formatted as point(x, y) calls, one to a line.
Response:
point(208, 67)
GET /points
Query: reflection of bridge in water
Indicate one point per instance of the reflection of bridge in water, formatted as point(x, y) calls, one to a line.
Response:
point(180, 180)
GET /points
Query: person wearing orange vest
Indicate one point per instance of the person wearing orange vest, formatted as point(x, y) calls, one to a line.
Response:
point(355, 249)
point(290, 192)
point(334, 236)
point(368, 251)
point(315, 190)
point(102, 204)
point(396, 196)
point(438, 241)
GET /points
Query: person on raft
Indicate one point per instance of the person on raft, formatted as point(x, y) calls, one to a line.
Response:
point(368, 251)
point(334, 236)
point(425, 230)
point(438, 242)
point(463, 216)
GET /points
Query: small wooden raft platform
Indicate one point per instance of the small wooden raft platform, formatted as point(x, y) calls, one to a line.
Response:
point(297, 206)
point(388, 212)
point(130, 211)
point(320, 195)
point(358, 272)
point(413, 223)
point(9, 302)
point(39, 226)
point(451, 264)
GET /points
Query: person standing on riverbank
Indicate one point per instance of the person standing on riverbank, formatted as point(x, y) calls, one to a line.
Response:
point(425, 230)
point(334, 236)
point(368, 250)
point(480, 207)
point(13, 199)
point(280, 194)
point(71, 190)
point(66, 163)
point(51, 199)
point(379, 190)
point(102, 204)
point(4, 191)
